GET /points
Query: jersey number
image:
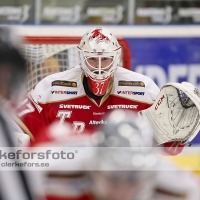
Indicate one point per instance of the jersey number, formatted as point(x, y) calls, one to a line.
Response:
point(99, 87)
point(29, 108)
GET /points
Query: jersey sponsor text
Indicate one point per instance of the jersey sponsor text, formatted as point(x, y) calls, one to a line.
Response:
point(64, 83)
point(85, 107)
point(131, 83)
point(130, 92)
point(98, 113)
point(64, 92)
point(95, 122)
point(122, 106)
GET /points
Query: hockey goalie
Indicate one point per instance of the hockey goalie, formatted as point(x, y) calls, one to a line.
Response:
point(86, 93)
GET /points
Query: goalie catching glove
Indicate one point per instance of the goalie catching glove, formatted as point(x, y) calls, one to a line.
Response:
point(175, 115)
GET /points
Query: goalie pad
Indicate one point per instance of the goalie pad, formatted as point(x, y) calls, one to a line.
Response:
point(175, 115)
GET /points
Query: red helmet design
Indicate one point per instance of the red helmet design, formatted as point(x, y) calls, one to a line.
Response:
point(100, 37)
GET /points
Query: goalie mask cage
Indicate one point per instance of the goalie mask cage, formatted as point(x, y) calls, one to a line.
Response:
point(48, 55)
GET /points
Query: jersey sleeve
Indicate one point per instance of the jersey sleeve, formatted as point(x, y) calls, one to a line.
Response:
point(31, 114)
point(173, 148)
point(30, 117)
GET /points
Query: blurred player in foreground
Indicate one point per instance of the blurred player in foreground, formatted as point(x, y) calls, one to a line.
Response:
point(84, 94)
point(13, 184)
point(149, 176)
point(123, 164)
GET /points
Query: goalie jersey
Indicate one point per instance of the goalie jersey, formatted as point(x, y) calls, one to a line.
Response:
point(62, 97)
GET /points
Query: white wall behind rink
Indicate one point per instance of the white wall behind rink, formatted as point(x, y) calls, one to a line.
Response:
point(120, 30)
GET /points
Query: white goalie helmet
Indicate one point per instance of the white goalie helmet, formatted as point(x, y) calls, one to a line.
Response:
point(100, 55)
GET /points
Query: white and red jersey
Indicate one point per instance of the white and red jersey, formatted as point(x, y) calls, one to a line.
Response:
point(62, 97)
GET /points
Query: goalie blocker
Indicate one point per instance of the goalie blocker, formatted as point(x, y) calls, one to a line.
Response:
point(174, 116)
